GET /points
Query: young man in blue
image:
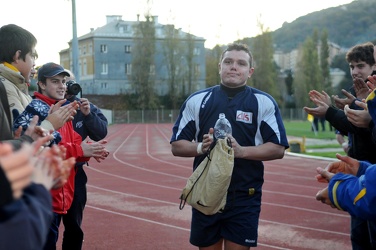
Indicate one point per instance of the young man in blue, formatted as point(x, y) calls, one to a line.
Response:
point(351, 182)
point(88, 122)
point(258, 134)
point(351, 187)
point(362, 64)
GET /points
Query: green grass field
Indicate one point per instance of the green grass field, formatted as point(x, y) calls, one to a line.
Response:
point(303, 129)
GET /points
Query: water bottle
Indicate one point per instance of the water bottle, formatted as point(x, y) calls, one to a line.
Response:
point(222, 127)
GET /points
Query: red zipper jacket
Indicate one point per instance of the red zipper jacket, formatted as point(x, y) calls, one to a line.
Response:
point(62, 198)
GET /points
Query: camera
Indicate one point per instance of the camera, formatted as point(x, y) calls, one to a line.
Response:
point(73, 88)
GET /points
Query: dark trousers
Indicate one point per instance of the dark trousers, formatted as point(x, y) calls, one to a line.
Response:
point(363, 234)
point(73, 235)
point(53, 233)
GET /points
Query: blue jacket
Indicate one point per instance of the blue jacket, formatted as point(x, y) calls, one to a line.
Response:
point(24, 223)
point(255, 119)
point(93, 125)
point(362, 145)
point(355, 194)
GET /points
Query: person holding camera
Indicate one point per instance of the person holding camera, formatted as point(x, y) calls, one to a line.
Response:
point(88, 122)
point(51, 89)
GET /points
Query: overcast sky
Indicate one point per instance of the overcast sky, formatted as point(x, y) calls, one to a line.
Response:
point(219, 22)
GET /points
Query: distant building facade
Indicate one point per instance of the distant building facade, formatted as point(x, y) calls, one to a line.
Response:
point(105, 59)
point(288, 61)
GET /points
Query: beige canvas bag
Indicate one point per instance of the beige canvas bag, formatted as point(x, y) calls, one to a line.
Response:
point(206, 188)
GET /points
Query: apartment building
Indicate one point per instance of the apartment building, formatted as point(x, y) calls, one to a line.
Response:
point(106, 55)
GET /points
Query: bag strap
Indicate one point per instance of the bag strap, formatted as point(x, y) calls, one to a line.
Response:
point(183, 201)
point(5, 102)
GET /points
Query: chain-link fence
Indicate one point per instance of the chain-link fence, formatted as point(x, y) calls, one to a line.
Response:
point(141, 116)
point(169, 116)
point(294, 114)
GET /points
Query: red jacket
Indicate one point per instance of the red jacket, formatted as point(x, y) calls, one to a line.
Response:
point(62, 198)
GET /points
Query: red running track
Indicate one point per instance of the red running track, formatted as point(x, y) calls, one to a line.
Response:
point(133, 198)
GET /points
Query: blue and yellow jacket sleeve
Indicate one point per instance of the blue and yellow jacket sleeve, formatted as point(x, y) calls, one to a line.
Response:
point(362, 168)
point(371, 106)
point(356, 195)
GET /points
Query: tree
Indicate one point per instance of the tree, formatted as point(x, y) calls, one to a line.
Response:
point(173, 61)
point(339, 62)
point(324, 63)
point(212, 71)
point(316, 81)
point(301, 81)
point(308, 73)
point(189, 55)
point(143, 62)
point(289, 80)
point(265, 74)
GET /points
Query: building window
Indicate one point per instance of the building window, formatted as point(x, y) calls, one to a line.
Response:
point(90, 48)
point(127, 49)
point(84, 68)
point(84, 50)
point(79, 68)
point(123, 29)
point(152, 69)
point(104, 85)
point(128, 69)
point(103, 48)
point(197, 69)
point(104, 69)
point(196, 51)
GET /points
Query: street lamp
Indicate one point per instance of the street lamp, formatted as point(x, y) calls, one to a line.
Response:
point(75, 69)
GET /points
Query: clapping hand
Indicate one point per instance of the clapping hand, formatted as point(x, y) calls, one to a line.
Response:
point(96, 150)
point(323, 195)
point(346, 165)
point(59, 115)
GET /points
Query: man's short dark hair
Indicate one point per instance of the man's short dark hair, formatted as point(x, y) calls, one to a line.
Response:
point(238, 47)
point(14, 38)
point(361, 52)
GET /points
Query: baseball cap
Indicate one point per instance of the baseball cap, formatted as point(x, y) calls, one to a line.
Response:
point(51, 69)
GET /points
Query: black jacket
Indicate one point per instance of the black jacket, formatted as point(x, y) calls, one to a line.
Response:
point(362, 146)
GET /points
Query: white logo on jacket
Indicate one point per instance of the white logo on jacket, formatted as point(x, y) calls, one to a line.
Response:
point(79, 124)
point(245, 117)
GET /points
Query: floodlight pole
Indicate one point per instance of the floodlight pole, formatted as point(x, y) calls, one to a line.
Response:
point(75, 68)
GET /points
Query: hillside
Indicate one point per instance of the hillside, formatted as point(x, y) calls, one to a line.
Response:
point(347, 25)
